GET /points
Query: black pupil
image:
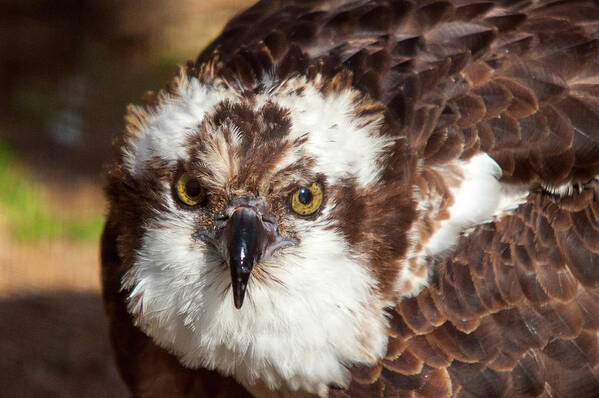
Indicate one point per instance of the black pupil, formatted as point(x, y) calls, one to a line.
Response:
point(305, 196)
point(193, 188)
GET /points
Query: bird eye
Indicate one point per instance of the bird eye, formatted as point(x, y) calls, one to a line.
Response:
point(306, 200)
point(189, 190)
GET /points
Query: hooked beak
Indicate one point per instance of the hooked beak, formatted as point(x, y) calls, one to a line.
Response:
point(245, 240)
point(243, 236)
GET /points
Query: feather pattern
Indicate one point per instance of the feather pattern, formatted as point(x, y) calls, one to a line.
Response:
point(508, 309)
point(517, 298)
point(463, 76)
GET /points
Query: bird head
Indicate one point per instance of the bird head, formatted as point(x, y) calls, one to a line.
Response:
point(267, 226)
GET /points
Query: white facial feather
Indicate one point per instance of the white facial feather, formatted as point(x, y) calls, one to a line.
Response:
point(339, 152)
point(328, 123)
point(319, 315)
point(317, 311)
point(165, 130)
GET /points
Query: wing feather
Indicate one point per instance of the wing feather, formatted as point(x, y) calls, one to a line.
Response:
point(531, 305)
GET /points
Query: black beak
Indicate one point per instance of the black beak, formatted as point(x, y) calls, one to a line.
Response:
point(246, 239)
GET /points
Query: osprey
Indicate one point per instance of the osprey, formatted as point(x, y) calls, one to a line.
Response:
point(365, 199)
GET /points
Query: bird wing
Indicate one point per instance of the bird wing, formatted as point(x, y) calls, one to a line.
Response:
point(511, 312)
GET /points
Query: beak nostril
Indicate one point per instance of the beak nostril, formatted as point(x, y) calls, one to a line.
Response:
point(269, 219)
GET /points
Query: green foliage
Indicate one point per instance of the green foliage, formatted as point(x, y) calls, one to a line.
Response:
point(28, 217)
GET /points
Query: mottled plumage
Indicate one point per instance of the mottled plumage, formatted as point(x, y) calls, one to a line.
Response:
point(453, 250)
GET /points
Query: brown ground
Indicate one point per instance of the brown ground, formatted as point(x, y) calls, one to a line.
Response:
point(87, 59)
point(53, 339)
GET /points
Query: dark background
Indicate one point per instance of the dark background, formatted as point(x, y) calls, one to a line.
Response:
point(68, 68)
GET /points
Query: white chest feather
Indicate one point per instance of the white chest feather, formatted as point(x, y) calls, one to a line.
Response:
point(299, 329)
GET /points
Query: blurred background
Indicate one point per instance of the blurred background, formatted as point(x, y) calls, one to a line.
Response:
point(68, 69)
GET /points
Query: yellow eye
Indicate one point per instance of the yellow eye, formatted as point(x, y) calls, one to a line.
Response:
point(306, 200)
point(189, 191)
